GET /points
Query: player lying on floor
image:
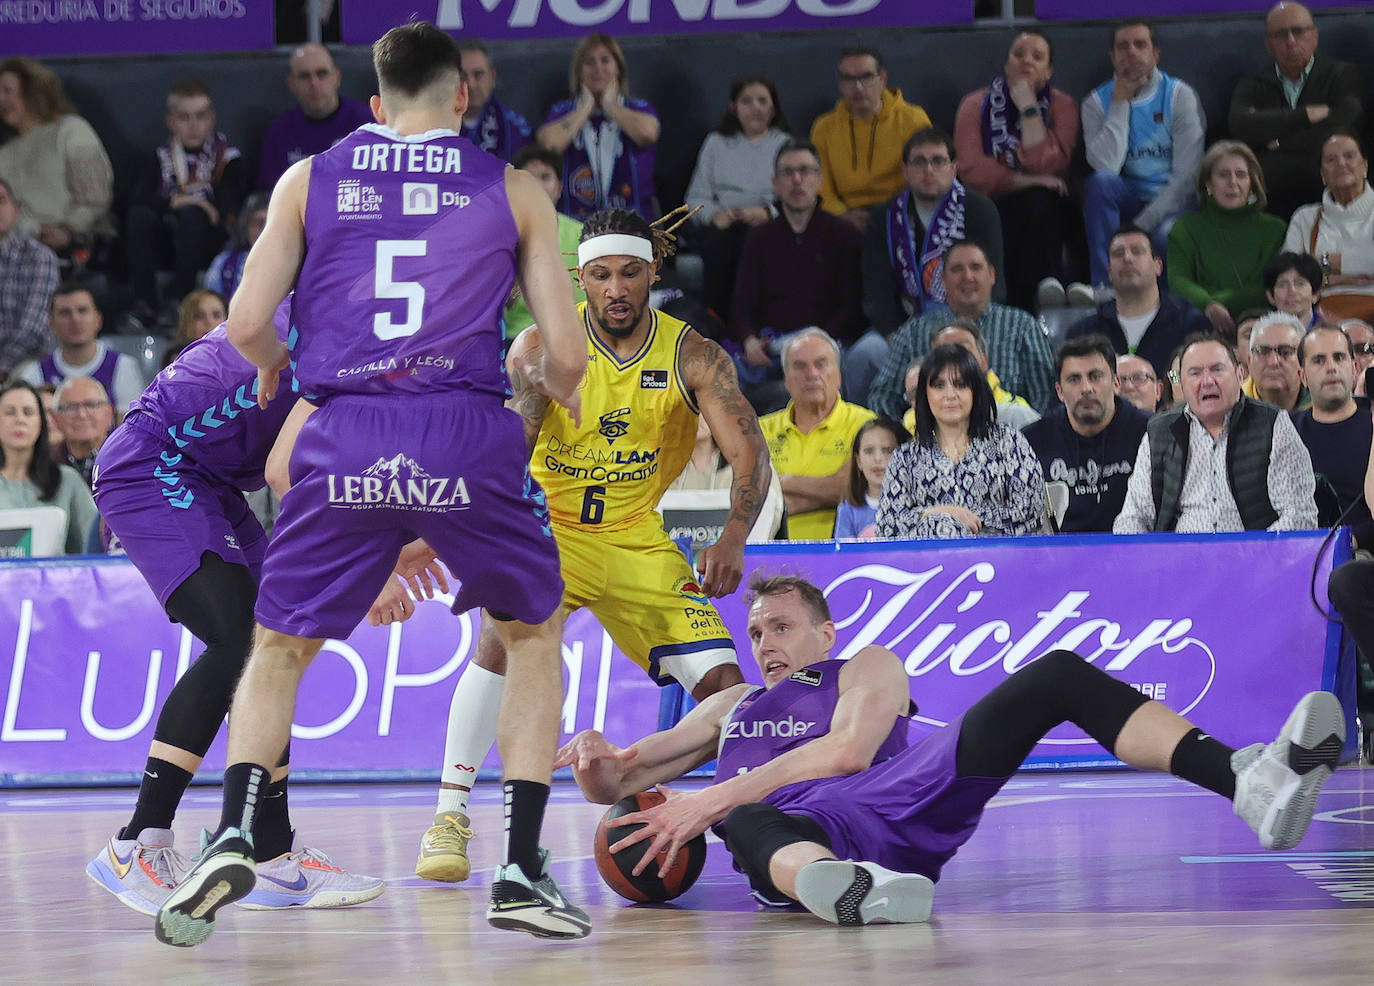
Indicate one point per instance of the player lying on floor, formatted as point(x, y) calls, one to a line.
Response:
point(820, 800)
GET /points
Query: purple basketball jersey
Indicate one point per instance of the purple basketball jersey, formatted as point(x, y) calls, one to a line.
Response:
point(206, 405)
point(768, 723)
point(410, 257)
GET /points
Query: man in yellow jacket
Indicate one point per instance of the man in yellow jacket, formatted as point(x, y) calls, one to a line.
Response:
point(860, 140)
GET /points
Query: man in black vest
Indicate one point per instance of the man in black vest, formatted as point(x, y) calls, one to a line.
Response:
point(1223, 462)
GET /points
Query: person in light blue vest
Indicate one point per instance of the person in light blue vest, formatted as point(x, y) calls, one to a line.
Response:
point(1143, 132)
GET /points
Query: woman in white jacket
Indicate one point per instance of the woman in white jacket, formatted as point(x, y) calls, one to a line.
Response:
point(1339, 230)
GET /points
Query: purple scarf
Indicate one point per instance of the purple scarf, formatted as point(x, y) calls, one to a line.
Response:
point(921, 277)
point(1001, 122)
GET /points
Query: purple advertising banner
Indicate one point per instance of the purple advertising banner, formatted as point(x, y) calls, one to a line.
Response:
point(133, 27)
point(1069, 10)
point(87, 656)
point(364, 21)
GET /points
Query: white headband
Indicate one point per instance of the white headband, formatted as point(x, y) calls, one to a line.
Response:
point(614, 245)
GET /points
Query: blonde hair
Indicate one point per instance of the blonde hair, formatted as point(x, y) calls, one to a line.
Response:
point(1225, 148)
point(580, 53)
point(186, 314)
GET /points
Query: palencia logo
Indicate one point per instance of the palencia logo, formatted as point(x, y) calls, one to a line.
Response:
point(398, 482)
point(584, 13)
point(768, 728)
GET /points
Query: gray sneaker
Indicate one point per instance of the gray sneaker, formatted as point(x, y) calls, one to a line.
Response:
point(141, 872)
point(1277, 785)
point(851, 894)
point(537, 907)
point(1049, 293)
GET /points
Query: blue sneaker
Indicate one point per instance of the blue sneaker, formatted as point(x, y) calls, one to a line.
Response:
point(307, 878)
point(141, 872)
point(223, 874)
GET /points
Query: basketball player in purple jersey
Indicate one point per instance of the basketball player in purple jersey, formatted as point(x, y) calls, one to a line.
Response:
point(403, 241)
point(168, 483)
point(820, 799)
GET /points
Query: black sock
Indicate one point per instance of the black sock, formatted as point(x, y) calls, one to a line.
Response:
point(244, 786)
point(1204, 761)
point(159, 793)
point(272, 826)
point(525, 801)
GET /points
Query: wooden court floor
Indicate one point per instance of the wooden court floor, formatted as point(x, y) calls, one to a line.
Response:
point(1110, 877)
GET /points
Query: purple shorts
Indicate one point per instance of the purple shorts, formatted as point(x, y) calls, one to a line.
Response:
point(370, 474)
point(910, 813)
point(166, 512)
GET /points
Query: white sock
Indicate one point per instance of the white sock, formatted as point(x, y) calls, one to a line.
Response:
point(472, 719)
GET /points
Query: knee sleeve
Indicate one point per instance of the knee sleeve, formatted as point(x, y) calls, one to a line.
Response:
point(216, 604)
point(755, 832)
point(1002, 728)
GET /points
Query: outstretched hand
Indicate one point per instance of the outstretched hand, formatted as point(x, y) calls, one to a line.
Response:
point(671, 825)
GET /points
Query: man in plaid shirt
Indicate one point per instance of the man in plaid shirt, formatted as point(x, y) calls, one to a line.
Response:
point(28, 274)
point(1018, 351)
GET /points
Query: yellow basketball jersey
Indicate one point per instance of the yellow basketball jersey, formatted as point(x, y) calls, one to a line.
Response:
point(639, 423)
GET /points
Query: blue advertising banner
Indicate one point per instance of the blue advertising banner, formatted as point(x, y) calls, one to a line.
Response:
point(363, 21)
point(1217, 627)
point(46, 28)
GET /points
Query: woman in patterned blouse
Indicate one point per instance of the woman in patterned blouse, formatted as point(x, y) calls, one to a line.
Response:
point(964, 474)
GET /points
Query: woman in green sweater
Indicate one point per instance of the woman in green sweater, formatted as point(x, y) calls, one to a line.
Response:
point(1217, 255)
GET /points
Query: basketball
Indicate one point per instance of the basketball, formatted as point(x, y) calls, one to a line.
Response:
point(616, 869)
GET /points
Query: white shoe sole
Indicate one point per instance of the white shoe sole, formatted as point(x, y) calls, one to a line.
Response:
point(188, 916)
point(852, 894)
point(1314, 733)
point(260, 899)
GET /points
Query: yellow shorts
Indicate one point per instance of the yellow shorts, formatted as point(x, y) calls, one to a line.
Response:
point(638, 584)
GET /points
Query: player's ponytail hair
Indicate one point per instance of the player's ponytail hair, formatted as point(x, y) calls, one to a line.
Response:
point(660, 232)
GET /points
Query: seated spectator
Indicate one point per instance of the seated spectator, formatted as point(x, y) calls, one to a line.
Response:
point(47, 394)
point(226, 270)
point(1141, 319)
point(1361, 335)
point(1339, 230)
point(1217, 255)
point(1245, 325)
point(1286, 112)
point(544, 165)
point(733, 181)
point(200, 312)
point(1293, 284)
point(185, 202)
point(28, 475)
point(798, 270)
point(707, 469)
point(319, 120)
point(1336, 429)
point(1089, 442)
point(606, 136)
point(28, 274)
point(1011, 410)
point(76, 322)
point(1275, 375)
point(874, 444)
point(860, 140)
point(1015, 140)
point(964, 474)
point(55, 164)
point(908, 237)
point(809, 439)
point(83, 411)
point(1017, 348)
point(1218, 432)
point(1143, 133)
point(1138, 383)
point(491, 125)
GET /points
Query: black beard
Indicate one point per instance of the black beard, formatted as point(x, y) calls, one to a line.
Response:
point(618, 333)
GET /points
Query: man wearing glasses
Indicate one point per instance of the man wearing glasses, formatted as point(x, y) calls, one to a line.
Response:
point(1361, 335)
point(1274, 372)
point(860, 138)
point(1141, 319)
point(1138, 382)
point(1222, 462)
point(1286, 113)
point(85, 416)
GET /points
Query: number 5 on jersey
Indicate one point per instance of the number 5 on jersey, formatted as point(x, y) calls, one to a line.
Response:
point(385, 285)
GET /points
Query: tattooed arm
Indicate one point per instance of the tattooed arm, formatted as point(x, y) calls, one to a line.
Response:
point(710, 375)
point(526, 399)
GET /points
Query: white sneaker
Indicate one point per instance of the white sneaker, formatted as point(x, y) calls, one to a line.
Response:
point(141, 872)
point(848, 893)
point(307, 878)
point(1080, 295)
point(1049, 293)
point(1277, 785)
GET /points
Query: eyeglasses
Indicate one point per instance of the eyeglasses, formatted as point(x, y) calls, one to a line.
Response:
point(806, 171)
point(863, 79)
point(1364, 348)
point(1283, 352)
point(1138, 379)
point(90, 407)
point(933, 163)
point(1278, 34)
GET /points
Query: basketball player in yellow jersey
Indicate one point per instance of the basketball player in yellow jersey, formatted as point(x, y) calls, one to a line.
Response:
point(649, 376)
